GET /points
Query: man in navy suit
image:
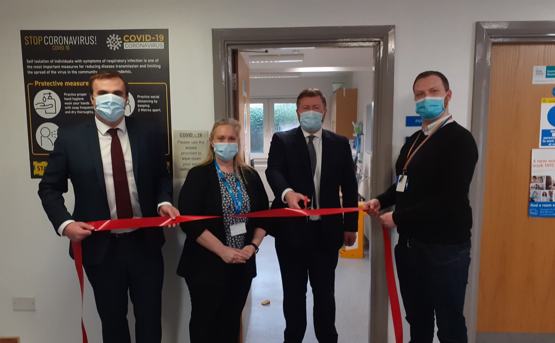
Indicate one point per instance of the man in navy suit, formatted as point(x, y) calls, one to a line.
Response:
point(311, 166)
point(116, 166)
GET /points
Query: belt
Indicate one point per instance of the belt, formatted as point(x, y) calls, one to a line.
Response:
point(410, 242)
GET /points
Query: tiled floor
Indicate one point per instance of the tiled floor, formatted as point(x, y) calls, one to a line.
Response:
point(265, 324)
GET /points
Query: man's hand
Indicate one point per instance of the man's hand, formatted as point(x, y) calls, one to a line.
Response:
point(168, 211)
point(387, 220)
point(232, 255)
point(78, 231)
point(349, 238)
point(293, 198)
point(372, 207)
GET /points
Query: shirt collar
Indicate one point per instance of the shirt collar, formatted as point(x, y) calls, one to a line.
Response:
point(317, 134)
point(430, 128)
point(103, 128)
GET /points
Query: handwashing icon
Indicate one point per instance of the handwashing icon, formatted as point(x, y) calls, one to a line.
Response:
point(47, 104)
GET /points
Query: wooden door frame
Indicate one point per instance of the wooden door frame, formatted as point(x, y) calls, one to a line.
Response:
point(383, 37)
point(487, 34)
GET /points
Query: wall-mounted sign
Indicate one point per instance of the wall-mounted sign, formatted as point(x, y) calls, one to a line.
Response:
point(56, 69)
point(413, 121)
point(541, 202)
point(547, 123)
point(190, 149)
point(543, 75)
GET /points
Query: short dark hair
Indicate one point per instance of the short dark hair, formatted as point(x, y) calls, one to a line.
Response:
point(309, 93)
point(427, 73)
point(103, 75)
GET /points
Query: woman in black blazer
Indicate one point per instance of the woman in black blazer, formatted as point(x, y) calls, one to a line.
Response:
point(218, 259)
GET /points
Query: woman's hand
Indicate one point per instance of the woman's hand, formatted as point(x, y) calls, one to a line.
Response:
point(232, 255)
point(248, 250)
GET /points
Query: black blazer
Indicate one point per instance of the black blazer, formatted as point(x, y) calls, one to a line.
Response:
point(289, 167)
point(200, 195)
point(76, 156)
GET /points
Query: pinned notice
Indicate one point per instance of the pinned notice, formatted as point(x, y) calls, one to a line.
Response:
point(541, 202)
point(547, 123)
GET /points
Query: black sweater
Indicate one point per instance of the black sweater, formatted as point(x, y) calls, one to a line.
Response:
point(434, 208)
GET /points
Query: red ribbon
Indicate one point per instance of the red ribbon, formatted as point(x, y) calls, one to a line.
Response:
point(120, 224)
point(78, 259)
point(392, 287)
point(137, 223)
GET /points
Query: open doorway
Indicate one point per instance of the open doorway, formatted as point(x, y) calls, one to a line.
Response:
point(270, 78)
point(355, 63)
point(276, 75)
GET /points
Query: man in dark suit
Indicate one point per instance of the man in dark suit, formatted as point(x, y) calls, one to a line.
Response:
point(117, 170)
point(310, 166)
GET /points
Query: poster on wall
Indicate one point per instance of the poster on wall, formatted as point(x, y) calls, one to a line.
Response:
point(547, 123)
point(190, 149)
point(541, 201)
point(58, 64)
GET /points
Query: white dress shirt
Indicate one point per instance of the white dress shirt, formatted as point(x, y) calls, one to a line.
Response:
point(430, 128)
point(317, 141)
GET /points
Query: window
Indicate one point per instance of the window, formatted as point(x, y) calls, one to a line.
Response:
point(257, 127)
point(285, 116)
point(268, 116)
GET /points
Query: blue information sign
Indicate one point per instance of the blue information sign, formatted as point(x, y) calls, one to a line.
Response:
point(413, 121)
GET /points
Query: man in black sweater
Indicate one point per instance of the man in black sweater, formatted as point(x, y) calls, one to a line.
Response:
point(432, 215)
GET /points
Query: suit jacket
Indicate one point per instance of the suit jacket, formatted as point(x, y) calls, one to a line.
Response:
point(76, 156)
point(200, 195)
point(289, 167)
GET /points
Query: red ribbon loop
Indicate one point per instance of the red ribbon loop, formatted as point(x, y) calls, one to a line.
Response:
point(138, 223)
point(392, 287)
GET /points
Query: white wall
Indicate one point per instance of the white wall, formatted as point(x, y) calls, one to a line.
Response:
point(430, 34)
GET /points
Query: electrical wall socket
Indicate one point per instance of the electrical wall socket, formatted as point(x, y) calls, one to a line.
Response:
point(23, 304)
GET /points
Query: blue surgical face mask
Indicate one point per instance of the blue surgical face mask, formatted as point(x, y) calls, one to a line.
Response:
point(226, 151)
point(430, 108)
point(311, 121)
point(110, 107)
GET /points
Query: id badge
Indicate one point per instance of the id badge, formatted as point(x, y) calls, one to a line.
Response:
point(238, 229)
point(402, 183)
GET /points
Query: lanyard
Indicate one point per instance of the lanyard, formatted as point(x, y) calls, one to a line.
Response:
point(236, 197)
point(411, 153)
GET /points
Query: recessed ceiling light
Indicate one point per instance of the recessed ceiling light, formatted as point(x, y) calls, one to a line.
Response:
point(274, 75)
point(289, 58)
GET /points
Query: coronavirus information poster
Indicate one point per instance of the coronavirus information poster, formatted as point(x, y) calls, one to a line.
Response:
point(541, 202)
point(58, 64)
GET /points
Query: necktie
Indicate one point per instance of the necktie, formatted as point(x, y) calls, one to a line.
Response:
point(121, 187)
point(312, 156)
point(312, 153)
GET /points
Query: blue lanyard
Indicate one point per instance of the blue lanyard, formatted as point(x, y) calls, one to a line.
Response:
point(236, 198)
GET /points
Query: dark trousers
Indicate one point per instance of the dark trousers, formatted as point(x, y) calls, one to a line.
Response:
point(127, 270)
point(309, 262)
point(216, 305)
point(433, 280)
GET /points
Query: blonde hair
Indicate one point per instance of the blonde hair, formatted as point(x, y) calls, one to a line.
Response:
point(239, 160)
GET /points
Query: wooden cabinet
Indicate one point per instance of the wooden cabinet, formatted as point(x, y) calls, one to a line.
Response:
point(343, 110)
